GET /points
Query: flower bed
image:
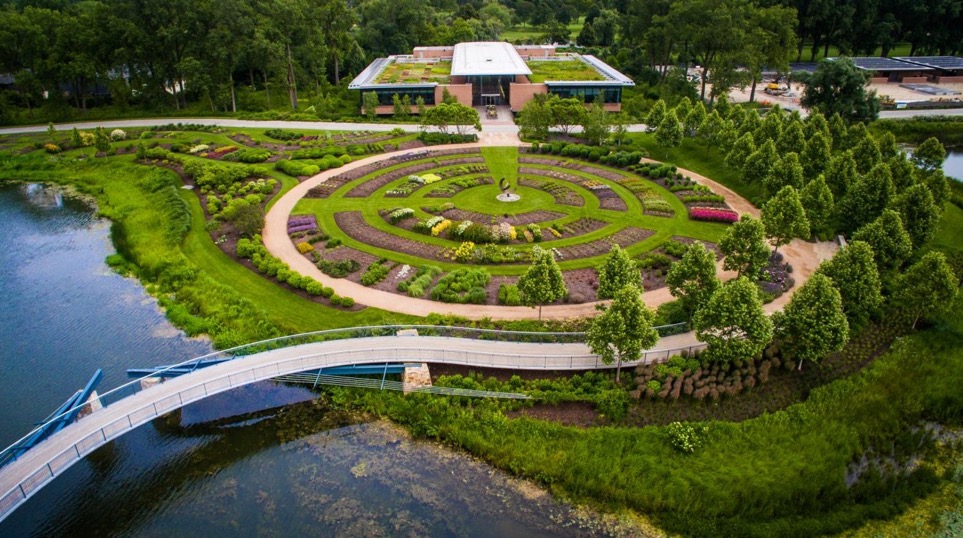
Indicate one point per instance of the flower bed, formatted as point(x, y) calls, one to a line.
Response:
point(713, 214)
point(302, 223)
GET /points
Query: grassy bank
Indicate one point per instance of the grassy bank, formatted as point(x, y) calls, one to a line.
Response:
point(946, 129)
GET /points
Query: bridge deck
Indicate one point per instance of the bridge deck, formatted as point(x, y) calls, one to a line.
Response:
point(20, 479)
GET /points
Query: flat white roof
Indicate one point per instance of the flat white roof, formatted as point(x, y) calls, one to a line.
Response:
point(487, 58)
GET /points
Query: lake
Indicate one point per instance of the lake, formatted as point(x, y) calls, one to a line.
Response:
point(267, 459)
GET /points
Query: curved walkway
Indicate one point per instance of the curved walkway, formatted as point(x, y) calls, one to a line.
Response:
point(803, 256)
point(22, 478)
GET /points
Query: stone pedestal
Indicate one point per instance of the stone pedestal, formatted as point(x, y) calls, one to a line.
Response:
point(417, 376)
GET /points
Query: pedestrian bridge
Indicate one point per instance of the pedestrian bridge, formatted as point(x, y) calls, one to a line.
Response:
point(122, 409)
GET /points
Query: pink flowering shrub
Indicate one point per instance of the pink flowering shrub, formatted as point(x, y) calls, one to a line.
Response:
point(713, 214)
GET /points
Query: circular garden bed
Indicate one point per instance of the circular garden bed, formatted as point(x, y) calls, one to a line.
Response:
point(432, 227)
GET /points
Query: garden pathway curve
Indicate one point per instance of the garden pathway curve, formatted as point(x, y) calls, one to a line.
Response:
point(803, 256)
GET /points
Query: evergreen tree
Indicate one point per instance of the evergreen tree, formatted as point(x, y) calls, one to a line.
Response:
point(853, 271)
point(692, 280)
point(542, 283)
point(623, 329)
point(817, 199)
point(813, 324)
point(919, 214)
point(888, 238)
point(733, 323)
point(744, 247)
point(618, 271)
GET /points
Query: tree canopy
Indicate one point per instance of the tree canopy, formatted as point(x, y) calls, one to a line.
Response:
point(618, 271)
point(733, 323)
point(839, 87)
point(542, 283)
point(623, 329)
point(692, 280)
point(813, 324)
point(744, 247)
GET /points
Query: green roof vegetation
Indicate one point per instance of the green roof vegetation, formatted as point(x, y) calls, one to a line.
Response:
point(415, 72)
point(545, 70)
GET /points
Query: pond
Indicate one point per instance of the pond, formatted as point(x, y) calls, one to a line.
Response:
point(953, 165)
point(264, 459)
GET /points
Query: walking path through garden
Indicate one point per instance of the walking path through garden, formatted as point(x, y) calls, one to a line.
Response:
point(804, 257)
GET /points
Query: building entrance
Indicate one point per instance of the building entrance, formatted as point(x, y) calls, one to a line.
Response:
point(490, 89)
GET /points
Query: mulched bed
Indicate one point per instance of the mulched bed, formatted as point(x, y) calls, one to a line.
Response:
point(574, 165)
point(579, 414)
point(353, 224)
point(629, 235)
point(609, 199)
point(369, 187)
point(520, 219)
point(487, 180)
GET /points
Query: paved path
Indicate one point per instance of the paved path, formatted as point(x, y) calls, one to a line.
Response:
point(803, 256)
point(21, 479)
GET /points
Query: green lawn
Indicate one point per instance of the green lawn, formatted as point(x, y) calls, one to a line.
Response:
point(522, 33)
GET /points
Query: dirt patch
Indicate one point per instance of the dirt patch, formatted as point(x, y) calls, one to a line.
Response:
point(629, 235)
point(580, 414)
point(353, 224)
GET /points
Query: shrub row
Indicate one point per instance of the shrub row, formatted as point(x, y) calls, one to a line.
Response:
point(416, 285)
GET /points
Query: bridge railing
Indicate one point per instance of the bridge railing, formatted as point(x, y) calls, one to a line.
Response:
point(132, 387)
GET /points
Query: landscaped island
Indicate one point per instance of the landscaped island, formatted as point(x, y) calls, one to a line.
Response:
point(734, 441)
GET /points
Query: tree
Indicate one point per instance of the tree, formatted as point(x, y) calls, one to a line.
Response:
point(566, 113)
point(784, 217)
point(669, 133)
point(853, 271)
point(446, 115)
point(939, 187)
point(542, 283)
point(886, 236)
point(929, 155)
point(733, 323)
point(101, 140)
point(866, 199)
point(655, 116)
point(929, 286)
point(595, 124)
point(815, 156)
point(787, 172)
point(817, 199)
point(770, 129)
point(420, 105)
point(759, 164)
point(744, 247)
point(398, 107)
point(535, 119)
point(740, 152)
point(813, 324)
point(694, 118)
point(816, 123)
point(692, 280)
point(622, 330)
point(838, 86)
point(792, 139)
point(369, 104)
point(617, 272)
point(867, 155)
point(920, 215)
point(75, 141)
point(841, 174)
point(586, 38)
point(711, 128)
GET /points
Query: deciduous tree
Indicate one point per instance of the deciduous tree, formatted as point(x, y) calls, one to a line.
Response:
point(838, 86)
point(888, 238)
point(733, 323)
point(813, 324)
point(692, 280)
point(919, 213)
point(623, 329)
point(853, 271)
point(929, 286)
point(744, 247)
point(784, 217)
point(618, 271)
point(817, 199)
point(542, 283)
